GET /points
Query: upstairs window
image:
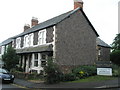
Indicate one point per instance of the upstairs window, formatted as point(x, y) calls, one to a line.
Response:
point(42, 37)
point(43, 60)
point(31, 39)
point(2, 50)
point(26, 41)
point(18, 43)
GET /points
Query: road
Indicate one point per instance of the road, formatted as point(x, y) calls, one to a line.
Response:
point(11, 87)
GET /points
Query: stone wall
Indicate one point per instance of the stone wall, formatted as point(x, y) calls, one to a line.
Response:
point(75, 41)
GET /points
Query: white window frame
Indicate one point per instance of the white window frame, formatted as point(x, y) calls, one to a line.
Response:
point(31, 39)
point(35, 59)
point(18, 43)
point(26, 40)
point(3, 50)
point(42, 37)
point(43, 60)
point(99, 51)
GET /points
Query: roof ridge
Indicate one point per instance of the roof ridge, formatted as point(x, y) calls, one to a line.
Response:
point(48, 22)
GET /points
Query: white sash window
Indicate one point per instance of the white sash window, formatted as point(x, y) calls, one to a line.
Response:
point(3, 50)
point(42, 37)
point(26, 41)
point(18, 43)
point(31, 39)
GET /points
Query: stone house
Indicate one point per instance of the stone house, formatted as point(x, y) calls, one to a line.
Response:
point(70, 39)
point(103, 50)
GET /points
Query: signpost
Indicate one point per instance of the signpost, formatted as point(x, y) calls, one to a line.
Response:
point(104, 68)
point(104, 71)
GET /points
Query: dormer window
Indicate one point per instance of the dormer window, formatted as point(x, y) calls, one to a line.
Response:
point(42, 37)
point(18, 43)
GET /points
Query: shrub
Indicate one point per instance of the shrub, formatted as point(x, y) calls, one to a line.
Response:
point(53, 74)
point(69, 77)
point(115, 57)
point(17, 69)
point(10, 58)
point(116, 70)
point(84, 71)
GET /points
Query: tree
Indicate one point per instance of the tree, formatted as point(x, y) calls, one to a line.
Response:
point(10, 58)
point(116, 43)
point(115, 55)
point(52, 72)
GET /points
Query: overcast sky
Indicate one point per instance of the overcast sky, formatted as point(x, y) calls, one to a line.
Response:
point(14, 14)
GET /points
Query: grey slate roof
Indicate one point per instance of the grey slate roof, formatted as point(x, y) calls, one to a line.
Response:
point(102, 43)
point(48, 23)
point(54, 21)
point(7, 41)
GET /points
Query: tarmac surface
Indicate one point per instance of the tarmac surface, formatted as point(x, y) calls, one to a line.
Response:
point(108, 84)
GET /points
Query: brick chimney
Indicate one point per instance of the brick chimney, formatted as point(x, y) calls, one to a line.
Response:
point(78, 3)
point(34, 21)
point(26, 26)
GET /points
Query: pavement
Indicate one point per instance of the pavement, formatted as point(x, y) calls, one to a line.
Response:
point(108, 84)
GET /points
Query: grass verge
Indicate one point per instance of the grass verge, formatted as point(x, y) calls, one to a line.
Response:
point(94, 79)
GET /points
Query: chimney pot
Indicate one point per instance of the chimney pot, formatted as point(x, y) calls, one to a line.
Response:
point(78, 3)
point(34, 21)
point(26, 26)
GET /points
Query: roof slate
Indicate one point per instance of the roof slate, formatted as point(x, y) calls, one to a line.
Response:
point(102, 43)
point(7, 41)
point(48, 23)
point(54, 21)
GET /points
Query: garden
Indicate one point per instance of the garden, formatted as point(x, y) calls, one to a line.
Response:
point(53, 74)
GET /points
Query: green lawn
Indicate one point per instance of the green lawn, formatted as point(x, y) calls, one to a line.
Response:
point(94, 79)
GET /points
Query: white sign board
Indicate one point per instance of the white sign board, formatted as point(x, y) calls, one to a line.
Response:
point(104, 71)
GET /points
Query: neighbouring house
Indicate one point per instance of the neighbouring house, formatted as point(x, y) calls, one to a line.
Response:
point(3, 48)
point(70, 39)
point(103, 50)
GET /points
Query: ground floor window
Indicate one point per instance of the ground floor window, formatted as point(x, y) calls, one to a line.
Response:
point(43, 60)
point(36, 60)
point(43, 63)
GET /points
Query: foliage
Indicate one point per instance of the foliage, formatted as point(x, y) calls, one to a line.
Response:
point(116, 43)
point(115, 57)
point(95, 78)
point(17, 69)
point(69, 77)
point(53, 74)
point(116, 70)
point(84, 71)
point(10, 58)
point(27, 76)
